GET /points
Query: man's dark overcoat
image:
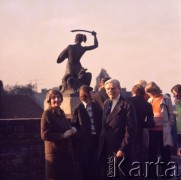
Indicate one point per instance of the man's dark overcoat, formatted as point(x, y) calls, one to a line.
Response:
point(118, 128)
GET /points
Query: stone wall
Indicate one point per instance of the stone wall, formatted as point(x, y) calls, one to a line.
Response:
point(21, 150)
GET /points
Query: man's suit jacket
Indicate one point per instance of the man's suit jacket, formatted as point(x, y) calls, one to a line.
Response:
point(118, 128)
point(81, 121)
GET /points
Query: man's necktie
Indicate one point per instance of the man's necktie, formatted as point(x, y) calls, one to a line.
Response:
point(109, 108)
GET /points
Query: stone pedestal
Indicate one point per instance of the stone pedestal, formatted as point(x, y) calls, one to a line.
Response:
point(70, 101)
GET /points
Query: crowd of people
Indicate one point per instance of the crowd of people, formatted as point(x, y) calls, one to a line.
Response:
point(108, 133)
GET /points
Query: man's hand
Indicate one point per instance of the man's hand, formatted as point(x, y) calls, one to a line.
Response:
point(119, 153)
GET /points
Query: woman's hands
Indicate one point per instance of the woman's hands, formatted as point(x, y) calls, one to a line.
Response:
point(70, 132)
point(74, 130)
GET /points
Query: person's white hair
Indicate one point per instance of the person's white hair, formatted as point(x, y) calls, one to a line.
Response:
point(113, 81)
point(142, 82)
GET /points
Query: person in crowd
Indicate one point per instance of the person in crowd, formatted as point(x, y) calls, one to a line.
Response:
point(87, 120)
point(100, 96)
point(174, 130)
point(143, 83)
point(75, 74)
point(144, 114)
point(118, 131)
point(176, 90)
point(145, 141)
point(160, 136)
point(56, 132)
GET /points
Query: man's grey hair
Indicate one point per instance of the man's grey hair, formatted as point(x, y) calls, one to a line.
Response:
point(113, 81)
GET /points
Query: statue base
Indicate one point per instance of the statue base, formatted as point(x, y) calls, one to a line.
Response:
point(70, 101)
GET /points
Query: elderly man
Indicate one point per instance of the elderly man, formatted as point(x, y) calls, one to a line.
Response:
point(117, 136)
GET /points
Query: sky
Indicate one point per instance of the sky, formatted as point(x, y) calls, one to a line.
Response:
point(138, 39)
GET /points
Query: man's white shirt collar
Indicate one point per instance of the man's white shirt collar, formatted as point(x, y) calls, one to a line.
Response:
point(84, 103)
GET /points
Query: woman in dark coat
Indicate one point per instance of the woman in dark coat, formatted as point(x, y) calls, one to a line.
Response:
point(56, 132)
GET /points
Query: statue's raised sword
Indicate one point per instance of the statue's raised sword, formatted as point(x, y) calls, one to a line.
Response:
point(81, 30)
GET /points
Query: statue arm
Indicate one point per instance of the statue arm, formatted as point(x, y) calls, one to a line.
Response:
point(63, 55)
point(95, 42)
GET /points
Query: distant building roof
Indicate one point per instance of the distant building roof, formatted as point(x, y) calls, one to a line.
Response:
point(39, 99)
point(19, 106)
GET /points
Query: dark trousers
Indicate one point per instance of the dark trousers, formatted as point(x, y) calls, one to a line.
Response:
point(175, 138)
point(178, 140)
point(89, 163)
point(157, 148)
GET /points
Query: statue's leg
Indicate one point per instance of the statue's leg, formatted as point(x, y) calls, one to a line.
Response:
point(71, 82)
point(64, 84)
